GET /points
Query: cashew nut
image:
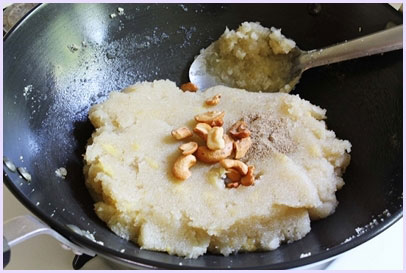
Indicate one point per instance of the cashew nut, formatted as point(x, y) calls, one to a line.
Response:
point(188, 148)
point(233, 175)
point(206, 155)
point(213, 118)
point(241, 147)
point(249, 178)
point(202, 130)
point(240, 130)
point(189, 87)
point(215, 140)
point(232, 185)
point(181, 133)
point(214, 100)
point(238, 165)
point(181, 167)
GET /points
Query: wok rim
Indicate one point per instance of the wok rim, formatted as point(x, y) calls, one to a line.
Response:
point(132, 260)
point(136, 261)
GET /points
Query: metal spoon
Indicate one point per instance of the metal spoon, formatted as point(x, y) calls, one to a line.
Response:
point(379, 42)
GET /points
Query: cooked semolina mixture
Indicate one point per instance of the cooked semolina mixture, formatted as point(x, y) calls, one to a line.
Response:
point(130, 159)
point(252, 57)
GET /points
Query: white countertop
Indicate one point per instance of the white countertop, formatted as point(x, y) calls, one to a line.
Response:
point(384, 252)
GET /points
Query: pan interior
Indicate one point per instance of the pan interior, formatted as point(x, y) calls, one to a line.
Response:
point(63, 58)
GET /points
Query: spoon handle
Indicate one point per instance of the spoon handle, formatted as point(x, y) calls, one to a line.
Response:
point(382, 41)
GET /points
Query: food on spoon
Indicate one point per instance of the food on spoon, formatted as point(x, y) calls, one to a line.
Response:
point(288, 175)
point(252, 57)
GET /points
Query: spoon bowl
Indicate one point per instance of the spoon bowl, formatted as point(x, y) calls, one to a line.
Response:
point(379, 42)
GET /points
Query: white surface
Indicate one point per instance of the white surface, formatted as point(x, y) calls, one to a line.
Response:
point(42, 252)
point(382, 252)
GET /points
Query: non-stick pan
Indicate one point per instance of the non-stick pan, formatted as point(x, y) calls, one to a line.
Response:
point(63, 58)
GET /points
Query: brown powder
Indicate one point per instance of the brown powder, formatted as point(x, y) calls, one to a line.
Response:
point(269, 134)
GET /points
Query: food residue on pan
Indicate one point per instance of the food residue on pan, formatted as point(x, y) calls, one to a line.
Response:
point(372, 224)
point(84, 233)
point(61, 172)
point(183, 7)
point(73, 48)
point(120, 11)
point(27, 91)
point(304, 255)
point(245, 173)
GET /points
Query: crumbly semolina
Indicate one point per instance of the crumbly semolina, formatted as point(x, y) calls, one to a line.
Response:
point(253, 57)
point(298, 166)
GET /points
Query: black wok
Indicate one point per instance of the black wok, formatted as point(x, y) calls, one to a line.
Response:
point(48, 127)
